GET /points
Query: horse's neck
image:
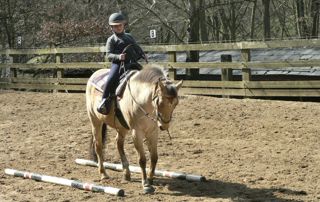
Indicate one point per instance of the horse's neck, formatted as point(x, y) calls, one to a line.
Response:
point(143, 97)
point(140, 95)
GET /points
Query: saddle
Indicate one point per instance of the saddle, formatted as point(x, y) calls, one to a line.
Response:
point(99, 84)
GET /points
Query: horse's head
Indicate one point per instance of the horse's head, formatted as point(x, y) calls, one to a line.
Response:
point(165, 101)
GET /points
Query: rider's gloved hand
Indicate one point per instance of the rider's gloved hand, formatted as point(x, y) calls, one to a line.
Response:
point(122, 56)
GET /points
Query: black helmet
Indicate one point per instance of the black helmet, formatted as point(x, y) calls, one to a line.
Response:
point(116, 19)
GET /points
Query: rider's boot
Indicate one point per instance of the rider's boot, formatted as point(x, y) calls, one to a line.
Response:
point(104, 106)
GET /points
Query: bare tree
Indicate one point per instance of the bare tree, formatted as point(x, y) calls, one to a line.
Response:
point(203, 21)
point(315, 6)
point(224, 21)
point(157, 13)
point(193, 35)
point(8, 10)
point(301, 24)
point(42, 22)
point(62, 27)
point(281, 14)
point(266, 20)
point(253, 15)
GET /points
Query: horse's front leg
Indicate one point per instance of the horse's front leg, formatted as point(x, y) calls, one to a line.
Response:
point(152, 146)
point(138, 143)
point(125, 164)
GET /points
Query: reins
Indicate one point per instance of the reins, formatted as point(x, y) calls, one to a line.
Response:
point(146, 114)
point(128, 82)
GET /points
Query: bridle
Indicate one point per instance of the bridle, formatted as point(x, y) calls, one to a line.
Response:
point(155, 99)
point(159, 117)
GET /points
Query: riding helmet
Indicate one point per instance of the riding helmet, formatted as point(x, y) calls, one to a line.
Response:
point(116, 19)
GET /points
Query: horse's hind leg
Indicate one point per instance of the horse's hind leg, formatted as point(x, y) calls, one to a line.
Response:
point(124, 160)
point(98, 146)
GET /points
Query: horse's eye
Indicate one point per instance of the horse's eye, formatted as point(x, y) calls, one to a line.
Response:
point(170, 99)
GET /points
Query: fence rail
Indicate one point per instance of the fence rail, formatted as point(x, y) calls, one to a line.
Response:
point(225, 87)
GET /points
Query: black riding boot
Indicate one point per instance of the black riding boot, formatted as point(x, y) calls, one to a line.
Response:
point(109, 90)
point(105, 105)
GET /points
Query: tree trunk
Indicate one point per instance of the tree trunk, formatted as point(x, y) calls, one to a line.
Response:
point(203, 22)
point(253, 15)
point(281, 15)
point(315, 18)
point(302, 25)
point(8, 23)
point(193, 36)
point(224, 21)
point(217, 27)
point(266, 20)
point(233, 26)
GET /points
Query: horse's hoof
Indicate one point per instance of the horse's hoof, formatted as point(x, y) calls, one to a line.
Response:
point(104, 177)
point(150, 181)
point(148, 190)
point(123, 181)
point(127, 178)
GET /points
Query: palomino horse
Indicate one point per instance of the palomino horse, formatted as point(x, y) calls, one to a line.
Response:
point(147, 104)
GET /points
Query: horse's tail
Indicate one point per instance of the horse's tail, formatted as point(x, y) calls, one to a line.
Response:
point(93, 154)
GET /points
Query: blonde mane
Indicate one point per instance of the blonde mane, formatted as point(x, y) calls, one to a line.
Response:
point(154, 74)
point(150, 75)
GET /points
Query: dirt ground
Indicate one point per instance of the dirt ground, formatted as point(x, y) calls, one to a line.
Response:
point(249, 150)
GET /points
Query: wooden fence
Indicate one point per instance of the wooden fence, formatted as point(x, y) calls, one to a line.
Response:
point(226, 87)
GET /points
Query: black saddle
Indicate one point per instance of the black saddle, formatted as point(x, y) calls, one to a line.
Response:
point(119, 93)
point(124, 80)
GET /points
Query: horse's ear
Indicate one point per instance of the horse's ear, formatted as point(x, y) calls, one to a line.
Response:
point(179, 84)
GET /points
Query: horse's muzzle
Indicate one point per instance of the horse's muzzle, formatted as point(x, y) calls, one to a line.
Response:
point(161, 128)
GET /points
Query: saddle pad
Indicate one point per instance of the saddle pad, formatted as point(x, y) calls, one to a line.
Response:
point(99, 82)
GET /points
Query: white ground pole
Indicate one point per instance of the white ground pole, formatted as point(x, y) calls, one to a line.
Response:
point(65, 182)
point(136, 169)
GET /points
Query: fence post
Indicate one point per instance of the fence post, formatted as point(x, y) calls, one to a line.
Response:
point(245, 57)
point(5, 72)
point(226, 74)
point(172, 58)
point(246, 71)
point(10, 72)
point(58, 72)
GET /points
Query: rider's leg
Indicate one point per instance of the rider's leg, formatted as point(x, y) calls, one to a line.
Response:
point(110, 87)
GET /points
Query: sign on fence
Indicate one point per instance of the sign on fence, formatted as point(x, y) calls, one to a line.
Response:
point(153, 34)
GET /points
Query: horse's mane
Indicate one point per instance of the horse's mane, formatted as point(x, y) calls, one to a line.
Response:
point(150, 75)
